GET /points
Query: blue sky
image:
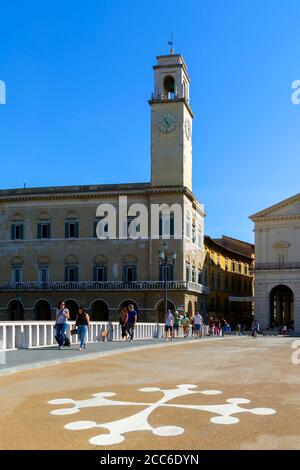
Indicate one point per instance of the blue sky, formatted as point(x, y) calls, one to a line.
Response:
point(79, 74)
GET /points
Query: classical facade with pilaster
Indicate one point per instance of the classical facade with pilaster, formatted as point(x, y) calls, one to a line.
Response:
point(277, 265)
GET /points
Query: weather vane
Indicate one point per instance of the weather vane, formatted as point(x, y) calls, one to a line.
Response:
point(171, 44)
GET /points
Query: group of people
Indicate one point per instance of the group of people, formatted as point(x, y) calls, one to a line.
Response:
point(82, 325)
point(200, 325)
point(127, 320)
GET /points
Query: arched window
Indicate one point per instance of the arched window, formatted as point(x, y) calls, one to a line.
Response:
point(169, 87)
point(71, 225)
point(43, 226)
point(129, 268)
point(193, 274)
point(194, 231)
point(17, 269)
point(71, 269)
point(100, 269)
point(17, 227)
point(188, 226)
point(43, 269)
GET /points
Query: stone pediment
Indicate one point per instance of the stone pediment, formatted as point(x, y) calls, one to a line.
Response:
point(288, 208)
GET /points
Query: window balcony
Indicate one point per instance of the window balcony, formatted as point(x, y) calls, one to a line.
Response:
point(277, 266)
point(94, 285)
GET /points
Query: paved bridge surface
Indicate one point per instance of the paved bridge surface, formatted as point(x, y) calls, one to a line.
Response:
point(232, 393)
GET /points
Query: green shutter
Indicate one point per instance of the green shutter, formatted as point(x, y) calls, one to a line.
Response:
point(39, 231)
point(134, 276)
point(13, 233)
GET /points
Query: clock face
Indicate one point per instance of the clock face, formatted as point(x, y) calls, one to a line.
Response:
point(188, 129)
point(167, 123)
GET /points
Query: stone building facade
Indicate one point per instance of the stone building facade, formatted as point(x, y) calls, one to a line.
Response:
point(228, 272)
point(277, 265)
point(48, 239)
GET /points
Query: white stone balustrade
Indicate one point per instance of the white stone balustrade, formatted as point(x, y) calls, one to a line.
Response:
point(37, 334)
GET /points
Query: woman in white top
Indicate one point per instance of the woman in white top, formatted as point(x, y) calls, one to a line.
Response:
point(62, 317)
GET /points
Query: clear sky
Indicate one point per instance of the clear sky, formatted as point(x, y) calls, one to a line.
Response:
point(79, 74)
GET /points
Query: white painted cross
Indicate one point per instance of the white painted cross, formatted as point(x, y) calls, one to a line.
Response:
point(223, 413)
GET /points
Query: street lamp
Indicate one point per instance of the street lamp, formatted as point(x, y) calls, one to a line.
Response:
point(167, 260)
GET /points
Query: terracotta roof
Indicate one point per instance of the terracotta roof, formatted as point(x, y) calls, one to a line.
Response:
point(233, 245)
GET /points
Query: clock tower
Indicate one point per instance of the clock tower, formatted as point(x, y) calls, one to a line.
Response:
point(171, 123)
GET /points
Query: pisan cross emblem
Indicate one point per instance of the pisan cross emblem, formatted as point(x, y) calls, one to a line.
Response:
point(224, 413)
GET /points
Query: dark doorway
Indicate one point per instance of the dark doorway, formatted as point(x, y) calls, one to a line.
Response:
point(281, 306)
point(15, 311)
point(99, 311)
point(43, 310)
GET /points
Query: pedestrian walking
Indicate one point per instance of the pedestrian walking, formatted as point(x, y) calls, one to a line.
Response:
point(123, 320)
point(254, 328)
point(176, 325)
point(132, 319)
point(169, 322)
point(192, 323)
point(198, 322)
point(185, 325)
point(205, 326)
point(83, 324)
point(61, 323)
point(223, 325)
point(217, 327)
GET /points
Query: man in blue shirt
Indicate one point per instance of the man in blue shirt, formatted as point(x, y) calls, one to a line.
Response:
point(132, 319)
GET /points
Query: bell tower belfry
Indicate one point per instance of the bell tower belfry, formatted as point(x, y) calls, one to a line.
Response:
point(171, 123)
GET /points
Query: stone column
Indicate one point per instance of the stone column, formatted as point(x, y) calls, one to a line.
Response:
point(261, 304)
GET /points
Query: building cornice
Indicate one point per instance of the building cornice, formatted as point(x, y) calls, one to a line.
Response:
point(92, 192)
point(175, 100)
point(277, 218)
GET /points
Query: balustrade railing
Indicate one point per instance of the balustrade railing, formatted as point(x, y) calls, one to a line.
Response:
point(92, 285)
point(276, 265)
point(38, 334)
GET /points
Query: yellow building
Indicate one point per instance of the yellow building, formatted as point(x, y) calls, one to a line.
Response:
point(228, 272)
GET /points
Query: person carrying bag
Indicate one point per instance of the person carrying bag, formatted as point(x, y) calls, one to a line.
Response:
point(82, 324)
point(61, 323)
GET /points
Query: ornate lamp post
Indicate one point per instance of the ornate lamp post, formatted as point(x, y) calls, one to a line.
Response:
point(167, 260)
